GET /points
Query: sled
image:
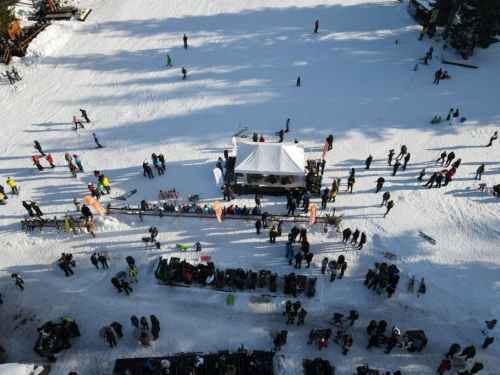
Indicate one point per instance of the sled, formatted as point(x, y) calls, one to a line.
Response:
point(125, 196)
point(181, 247)
point(463, 119)
point(230, 300)
point(427, 237)
point(84, 14)
point(390, 256)
point(411, 285)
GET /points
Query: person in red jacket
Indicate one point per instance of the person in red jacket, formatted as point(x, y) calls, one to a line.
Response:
point(322, 344)
point(262, 139)
point(51, 162)
point(348, 344)
point(36, 161)
point(449, 176)
point(444, 366)
point(316, 26)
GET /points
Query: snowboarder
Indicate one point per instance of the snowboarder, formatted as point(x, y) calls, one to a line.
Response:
point(155, 327)
point(103, 260)
point(380, 184)
point(287, 125)
point(493, 138)
point(36, 161)
point(77, 122)
point(185, 39)
point(346, 234)
point(35, 206)
point(437, 76)
point(169, 61)
point(407, 159)
point(78, 162)
point(184, 73)
point(390, 205)
point(422, 174)
point(298, 83)
point(449, 115)
point(94, 261)
point(50, 160)
point(455, 116)
point(385, 198)
point(316, 26)
point(84, 114)
point(391, 154)
point(110, 337)
point(118, 329)
point(96, 140)
point(396, 166)
point(281, 135)
point(368, 162)
point(39, 148)
point(362, 241)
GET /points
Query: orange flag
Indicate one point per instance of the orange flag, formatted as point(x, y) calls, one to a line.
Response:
point(312, 219)
point(218, 211)
point(94, 203)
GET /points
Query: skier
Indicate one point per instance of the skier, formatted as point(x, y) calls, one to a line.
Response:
point(36, 162)
point(329, 139)
point(155, 327)
point(346, 234)
point(432, 179)
point(391, 154)
point(185, 39)
point(407, 159)
point(355, 237)
point(96, 140)
point(28, 208)
point(281, 135)
point(449, 115)
point(390, 205)
point(493, 138)
point(385, 198)
point(380, 184)
point(84, 114)
point(350, 182)
point(455, 116)
point(454, 349)
point(9, 76)
point(78, 162)
point(437, 76)
point(402, 153)
point(287, 125)
point(38, 148)
point(184, 72)
point(368, 162)
point(68, 157)
point(316, 26)
point(422, 174)
point(50, 160)
point(103, 260)
point(362, 241)
point(118, 329)
point(77, 122)
point(298, 81)
point(110, 337)
point(444, 366)
point(396, 166)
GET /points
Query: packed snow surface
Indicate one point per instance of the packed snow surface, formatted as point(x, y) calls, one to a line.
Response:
point(242, 61)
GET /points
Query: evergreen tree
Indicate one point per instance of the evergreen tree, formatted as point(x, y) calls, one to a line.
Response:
point(479, 25)
point(6, 15)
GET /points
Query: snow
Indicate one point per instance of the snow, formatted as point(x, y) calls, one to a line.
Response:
point(243, 59)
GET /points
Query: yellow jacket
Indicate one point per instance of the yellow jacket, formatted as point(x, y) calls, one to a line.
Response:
point(105, 181)
point(11, 182)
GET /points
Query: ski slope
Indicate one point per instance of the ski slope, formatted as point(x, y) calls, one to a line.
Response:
point(242, 61)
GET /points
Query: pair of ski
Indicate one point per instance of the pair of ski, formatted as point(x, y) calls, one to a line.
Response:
point(421, 289)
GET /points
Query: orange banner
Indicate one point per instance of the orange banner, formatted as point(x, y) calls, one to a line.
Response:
point(312, 219)
point(94, 203)
point(218, 211)
point(325, 149)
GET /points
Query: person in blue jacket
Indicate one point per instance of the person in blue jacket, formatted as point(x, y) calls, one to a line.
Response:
point(96, 140)
point(287, 126)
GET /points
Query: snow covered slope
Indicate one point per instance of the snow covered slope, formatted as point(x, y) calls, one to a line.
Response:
point(242, 62)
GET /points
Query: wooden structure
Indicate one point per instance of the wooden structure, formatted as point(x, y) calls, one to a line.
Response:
point(20, 49)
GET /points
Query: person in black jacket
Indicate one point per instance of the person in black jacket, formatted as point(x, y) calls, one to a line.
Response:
point(116, 283)
point(258, 225)
point(450, 158)
point(396, 166)
point(155, 327)
point(305, 247)
point(93, 259)
point(298, 260)
point(309, 257)
point(407, 159)
point(292, 207)
point(346, 234)
point(86, 212)
point(454, 349)
point(432, 179)
point(355, 237)
point(380, 184)
point(103, 260)
point(39, 148)
point(84, 114)
point(118, 329)
point(368, 162)
point(350, 182)
point(149, 171)
point(362, 241)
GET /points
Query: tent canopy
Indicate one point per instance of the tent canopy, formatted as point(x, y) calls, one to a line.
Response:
point(270, 158)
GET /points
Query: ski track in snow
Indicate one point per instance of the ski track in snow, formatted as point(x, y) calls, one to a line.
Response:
point(242, 61)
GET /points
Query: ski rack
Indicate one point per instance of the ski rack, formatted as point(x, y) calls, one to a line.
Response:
point(30, 224)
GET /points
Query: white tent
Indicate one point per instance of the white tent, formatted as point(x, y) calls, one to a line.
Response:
point(270, 158)
point(20, 369)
